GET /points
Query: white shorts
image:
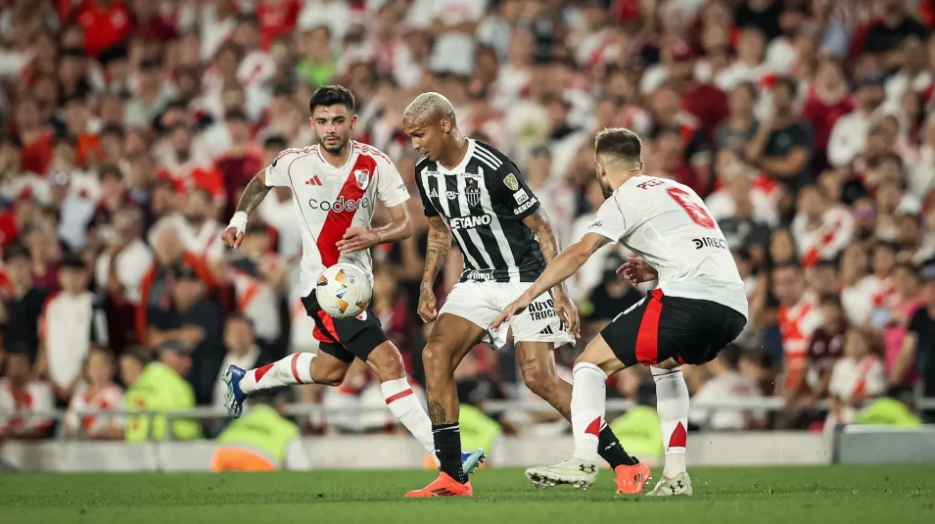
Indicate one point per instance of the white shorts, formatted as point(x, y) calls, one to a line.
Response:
point(482, 302)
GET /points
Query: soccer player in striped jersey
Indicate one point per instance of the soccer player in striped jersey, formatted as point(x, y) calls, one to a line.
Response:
point(475, 196)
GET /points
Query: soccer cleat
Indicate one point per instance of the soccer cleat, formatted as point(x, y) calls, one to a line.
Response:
point(443, 486)
point(235, 396)
point(470, 460)
point(631, 479)
point(578, 473)
point(680, 484)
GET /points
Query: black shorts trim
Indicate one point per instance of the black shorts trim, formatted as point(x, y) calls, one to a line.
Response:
point(347, 337)
point(659, 327)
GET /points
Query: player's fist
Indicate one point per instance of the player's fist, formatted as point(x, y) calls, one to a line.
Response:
point(568, 313)
point(637, 271)
point(232, 237)
point(427, 303)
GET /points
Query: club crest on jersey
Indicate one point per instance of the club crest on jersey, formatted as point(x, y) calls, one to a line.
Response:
point(511, 182)
point(362, 176)
point(472, 192)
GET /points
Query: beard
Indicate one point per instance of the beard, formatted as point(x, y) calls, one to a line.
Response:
point(335, 149)
point(605, 188)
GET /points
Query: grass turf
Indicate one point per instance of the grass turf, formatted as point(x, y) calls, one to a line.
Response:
point(847, 494)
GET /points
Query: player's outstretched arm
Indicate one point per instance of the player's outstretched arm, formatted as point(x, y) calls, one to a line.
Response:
point(357, 238)
point(439, 243)
point(549, 243)
point(563, 266)
point(253, 194)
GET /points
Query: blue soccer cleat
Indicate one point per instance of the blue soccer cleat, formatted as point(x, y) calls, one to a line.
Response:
point(470, 460)
point(235, 396)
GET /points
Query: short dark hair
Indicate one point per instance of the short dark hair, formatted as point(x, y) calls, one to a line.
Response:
point(332, 95)
point(14, 251)
point(787, 82)
point(618, 142)
point(109, 171)
point(275, 142)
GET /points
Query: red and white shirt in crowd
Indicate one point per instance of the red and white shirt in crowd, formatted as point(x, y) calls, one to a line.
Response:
point(255, 298)
point(204, 241)
point(67, 328)
point(132, 264)
point(825, 241)
point(109, 398)
point(870, 294)
point(35, 397)
point(329, 200)
point(798, 323)
point(851, 378)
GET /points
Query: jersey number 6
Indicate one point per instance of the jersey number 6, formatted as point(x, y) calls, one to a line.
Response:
point(697, 213)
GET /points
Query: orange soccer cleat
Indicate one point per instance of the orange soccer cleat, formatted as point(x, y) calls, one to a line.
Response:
point(443, 486)
point(631, 479)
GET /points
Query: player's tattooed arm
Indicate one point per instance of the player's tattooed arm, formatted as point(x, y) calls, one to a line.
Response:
point(550, 245)
point(439, 242)
point(254, 193)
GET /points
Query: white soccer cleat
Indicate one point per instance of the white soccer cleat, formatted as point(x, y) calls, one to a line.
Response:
point(578, 473)
point(680, 484)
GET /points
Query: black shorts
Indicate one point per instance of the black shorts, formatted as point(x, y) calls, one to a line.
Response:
point(345, 338)
point(659, 328)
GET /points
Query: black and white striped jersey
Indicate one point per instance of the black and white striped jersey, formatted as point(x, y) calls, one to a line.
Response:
point(484, 201)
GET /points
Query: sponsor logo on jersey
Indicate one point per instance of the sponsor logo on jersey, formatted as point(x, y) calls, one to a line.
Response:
point(521, 196)
point(709, 242)
point(472, 192)
point(597, 224)
point(542, 310)
point(452, 195)
point(340, 205)
point(314, 181)
point(511, 182)
point(478, 275)
point(362, 176)
point(525, 206)
point(433, 194)
point(469, 222)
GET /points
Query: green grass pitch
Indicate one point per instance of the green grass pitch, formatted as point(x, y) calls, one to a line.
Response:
point(789, 495)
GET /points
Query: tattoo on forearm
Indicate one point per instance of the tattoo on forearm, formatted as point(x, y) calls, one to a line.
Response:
point(253, 194)
point(439, 242)
point(549, 243)
point(437, 412)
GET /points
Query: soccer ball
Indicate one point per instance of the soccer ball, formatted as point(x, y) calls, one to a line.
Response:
point(343, 291)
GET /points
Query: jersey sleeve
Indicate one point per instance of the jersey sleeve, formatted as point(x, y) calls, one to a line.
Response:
point(277, 173)
point(513, 191)
point(610, 220)
point(391, 190)
point(427, 206)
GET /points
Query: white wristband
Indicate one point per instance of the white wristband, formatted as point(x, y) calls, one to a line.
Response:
point(239, 221)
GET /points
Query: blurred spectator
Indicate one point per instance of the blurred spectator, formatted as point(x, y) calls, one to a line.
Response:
point(161, 387)
point(197, 229)
point(96, 392)
point(821, 229)
point(855, 378)
point(726, 384)
point(24, 303)
point(612, 296)
point(242, 351)
point(19, 397)
point(259, 278)
point(391, 307)
point(799, 317)
point(70, 324)
point(849, 134)
point(194, 322)
point(783, 143)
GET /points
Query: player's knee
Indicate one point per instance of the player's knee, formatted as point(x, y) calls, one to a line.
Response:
point(542, 383)
point(436, 360)
point(387, 363)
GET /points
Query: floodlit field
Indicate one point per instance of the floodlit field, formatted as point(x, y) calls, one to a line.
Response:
point(788, 495)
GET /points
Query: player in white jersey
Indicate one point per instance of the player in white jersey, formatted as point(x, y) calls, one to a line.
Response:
point(336, 185)
point(698, 307)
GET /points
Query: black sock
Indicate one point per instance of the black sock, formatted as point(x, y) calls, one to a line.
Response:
point(448, 449)
point(609, 448)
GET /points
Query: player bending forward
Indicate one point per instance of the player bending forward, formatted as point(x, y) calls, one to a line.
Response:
point(698, 307)
point(475, 195)
point(336, 184)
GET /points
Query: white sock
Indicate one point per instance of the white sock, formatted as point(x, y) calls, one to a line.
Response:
point(408, 411)
point(294, 369)
point(672, 406)
point(588, 397)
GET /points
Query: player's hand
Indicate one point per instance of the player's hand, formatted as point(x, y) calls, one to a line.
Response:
point(357, 239)
point(513, 308)
point(232, 237)
point(427, 303)
point(568, 313)
point(637, 271)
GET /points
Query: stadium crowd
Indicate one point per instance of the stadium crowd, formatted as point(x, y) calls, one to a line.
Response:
point(130, 127)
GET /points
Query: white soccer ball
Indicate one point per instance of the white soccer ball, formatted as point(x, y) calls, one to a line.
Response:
point(344, 291)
